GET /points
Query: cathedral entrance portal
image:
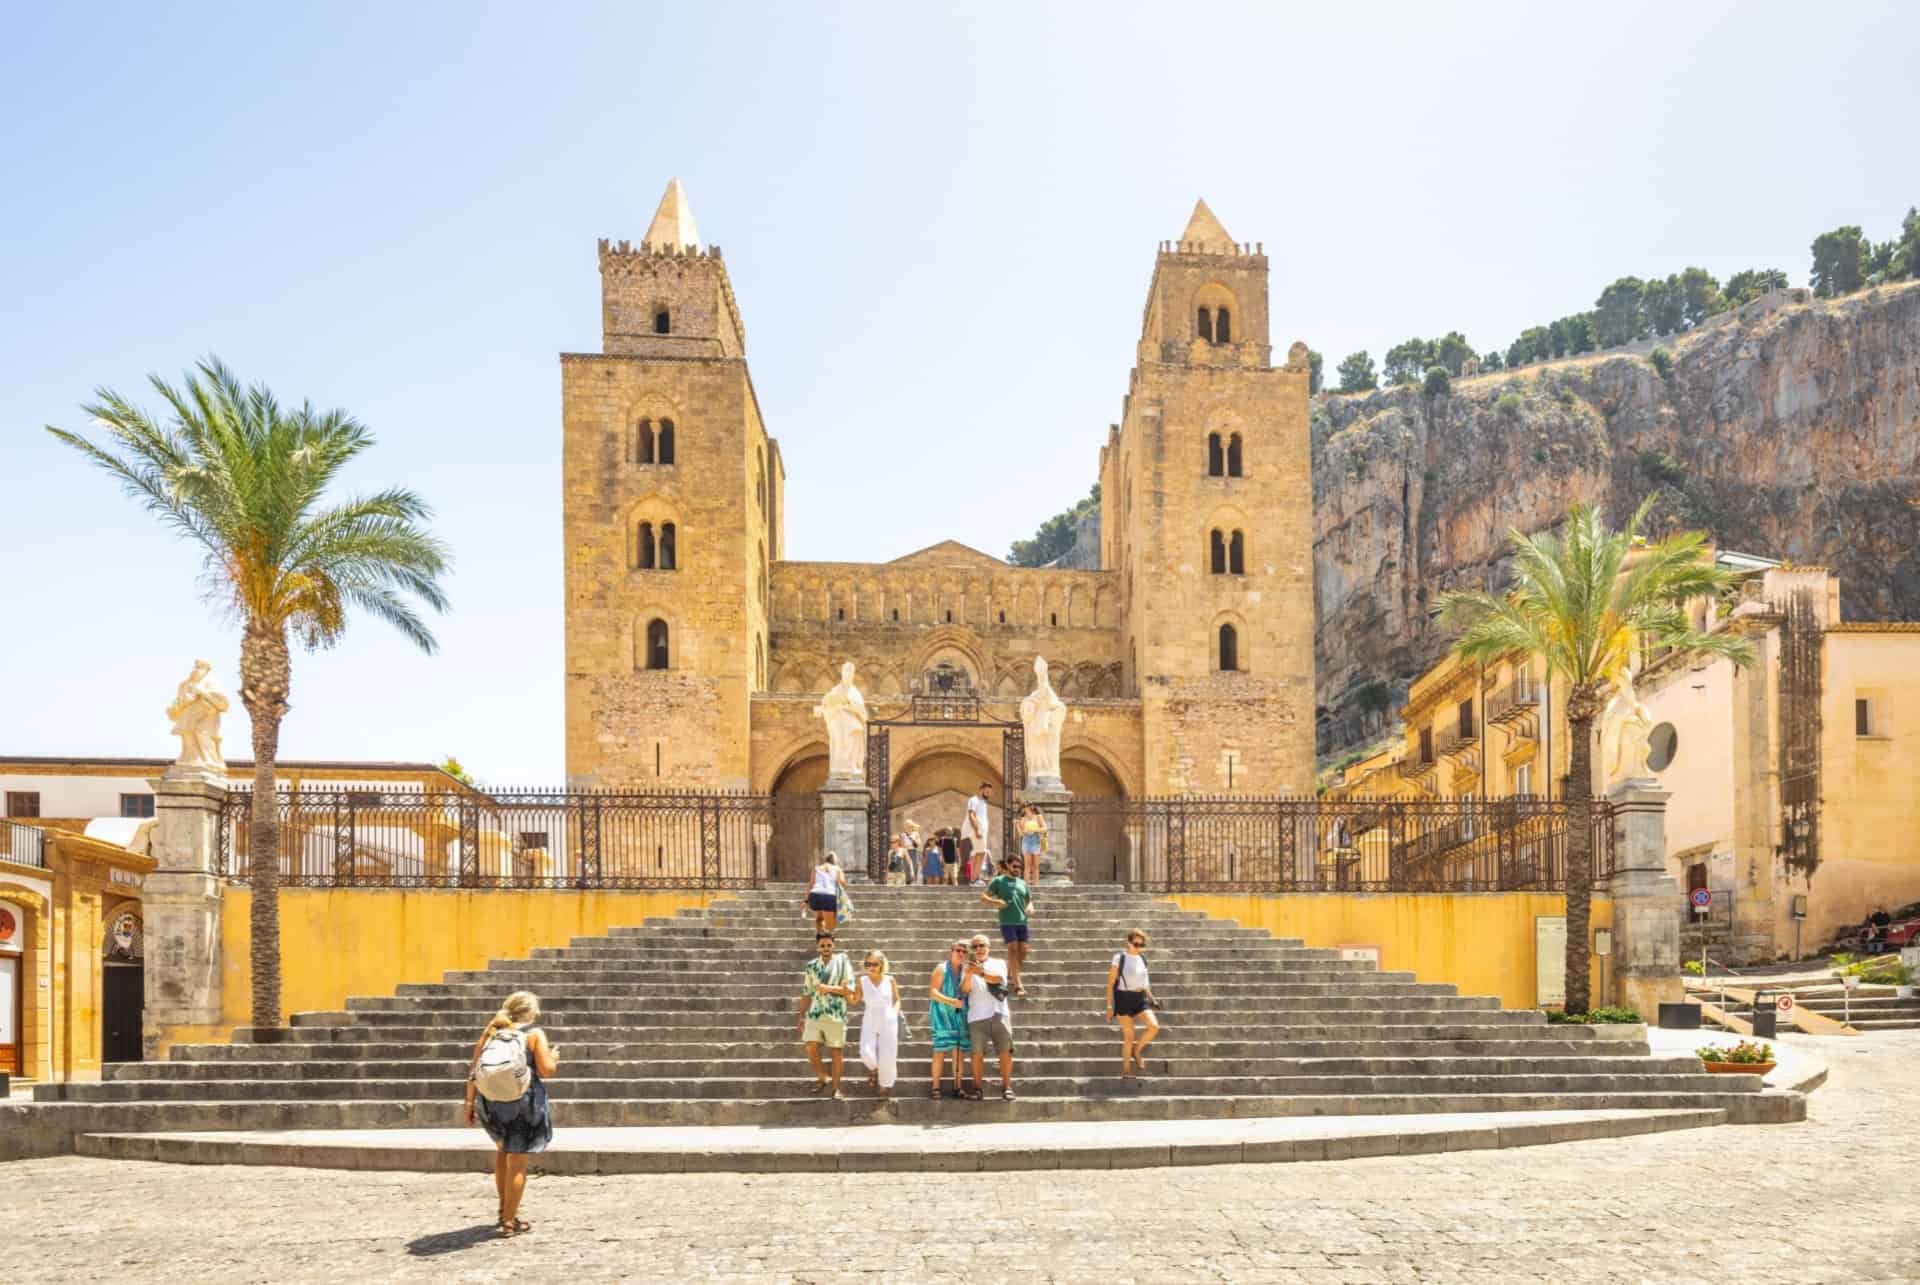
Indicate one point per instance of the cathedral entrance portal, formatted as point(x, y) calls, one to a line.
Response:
point(954, 708)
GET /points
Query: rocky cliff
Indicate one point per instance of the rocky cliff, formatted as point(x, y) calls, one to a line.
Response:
point(1790, 429)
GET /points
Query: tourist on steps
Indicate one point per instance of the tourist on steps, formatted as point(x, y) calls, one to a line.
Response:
point(947, 1014)
point(880, 1024)
point(823, 894)
point(973, 833)
point(1013, 898)
point(989, 1021)
point(1033, 842)
point(933, 868)
point(825, 988)
point(913, 852)
point(507, 1093)
point(950, 854)
point(899, 858)
point(1130, 999)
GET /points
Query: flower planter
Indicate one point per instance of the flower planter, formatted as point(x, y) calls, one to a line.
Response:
point(1738, 1068)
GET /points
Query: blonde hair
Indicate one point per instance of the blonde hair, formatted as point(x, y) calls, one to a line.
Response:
point(880, 955)
point(518, 1009)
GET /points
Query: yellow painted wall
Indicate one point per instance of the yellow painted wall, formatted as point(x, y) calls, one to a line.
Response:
point(340, 942)
point(1481, 942)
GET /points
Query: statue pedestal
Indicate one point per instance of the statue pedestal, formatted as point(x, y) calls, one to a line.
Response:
point(1056, 863)
point(844, 809)
point(180, 905)
point(1647, 904)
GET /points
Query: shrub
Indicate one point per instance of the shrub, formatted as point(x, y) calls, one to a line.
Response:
point(1693, 968)
point(1593, 1017)
point(1662, 361)
point(1439, 383)
point(1509, 404)
point(1745, 1053)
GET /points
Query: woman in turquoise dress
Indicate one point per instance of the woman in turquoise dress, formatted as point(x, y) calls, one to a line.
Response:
point(947, 1015)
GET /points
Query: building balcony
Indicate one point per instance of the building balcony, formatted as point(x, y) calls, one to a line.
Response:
point(1516, 701)
point(1457, 746)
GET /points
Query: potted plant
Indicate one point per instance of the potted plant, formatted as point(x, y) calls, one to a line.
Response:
point(1745, 1058)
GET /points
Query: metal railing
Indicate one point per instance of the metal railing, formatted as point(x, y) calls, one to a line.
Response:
point(24, 845)
point(566, 839)
point(1247, 844)
point(1516, 698)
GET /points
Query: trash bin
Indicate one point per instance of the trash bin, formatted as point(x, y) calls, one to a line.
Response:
point(1766, 1022)
point(1680, 1017)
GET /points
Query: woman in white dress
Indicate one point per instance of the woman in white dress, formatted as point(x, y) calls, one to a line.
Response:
point(879, 1023)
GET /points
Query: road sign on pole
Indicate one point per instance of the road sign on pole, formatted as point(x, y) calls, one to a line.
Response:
point(1783, 1005)
point(1701, 899)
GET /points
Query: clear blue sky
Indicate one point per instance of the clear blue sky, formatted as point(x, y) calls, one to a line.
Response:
point(939, 220)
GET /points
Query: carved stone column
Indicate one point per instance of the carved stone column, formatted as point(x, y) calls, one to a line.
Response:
point(1647, 903)
point(1056, 863)
point(180, 906)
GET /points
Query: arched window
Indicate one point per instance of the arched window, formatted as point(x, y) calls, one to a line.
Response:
point(1053, 618)
point(1218, 550)
point(666, 441)
point(839, 613)
point(1216, 459)
point(1233, 456)
point(1237, 555)
point(1003, 617)
point(657, 651)
point(1206, 325)
point(896, 615)
point(667, 559)
point(643, 442)
point(759, 664)
point(1229, 649)
point(662, 323)
point(1222, 327)
point(643, 550)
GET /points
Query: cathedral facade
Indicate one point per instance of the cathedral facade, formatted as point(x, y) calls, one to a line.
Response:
point(696, 649)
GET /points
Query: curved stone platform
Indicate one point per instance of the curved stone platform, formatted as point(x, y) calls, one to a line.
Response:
point(960, 1148)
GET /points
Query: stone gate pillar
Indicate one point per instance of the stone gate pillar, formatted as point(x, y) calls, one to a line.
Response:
point(843, 823)
point(180, 905)
point(1056, 863)
point(1647, 904)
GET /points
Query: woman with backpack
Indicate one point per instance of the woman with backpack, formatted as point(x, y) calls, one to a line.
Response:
point(507, 1092)
point(1130, 999)
point(824, 889)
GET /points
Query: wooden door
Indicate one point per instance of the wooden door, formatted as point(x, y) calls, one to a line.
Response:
point(121, 1012)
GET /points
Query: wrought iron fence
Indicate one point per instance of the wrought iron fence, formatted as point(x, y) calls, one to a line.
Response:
point(24, 845)
point(338, 838)
point(1245, 844)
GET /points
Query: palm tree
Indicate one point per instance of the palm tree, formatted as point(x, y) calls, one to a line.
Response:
point(1587, 601)
point(233, 471)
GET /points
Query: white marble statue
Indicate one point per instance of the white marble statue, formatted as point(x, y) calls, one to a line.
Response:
point(845, 713)
point(196, 710)
point(1043, 714)
point(1626, 726)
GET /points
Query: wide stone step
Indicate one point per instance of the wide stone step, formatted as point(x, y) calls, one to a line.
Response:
point(622, 1010)
point(1165, 971)
point(914, 1061)
point(573, 1088)
point(1076, 986)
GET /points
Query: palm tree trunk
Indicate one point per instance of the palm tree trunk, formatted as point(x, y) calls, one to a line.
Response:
point(1579, 859)
point(266, 671)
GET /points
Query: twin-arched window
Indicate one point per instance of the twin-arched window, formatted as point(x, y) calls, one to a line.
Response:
point(1224, 459)
point(651, 446)
point(653, 552)
point(1215, 325)
point(659, 655)
point(1228, 553)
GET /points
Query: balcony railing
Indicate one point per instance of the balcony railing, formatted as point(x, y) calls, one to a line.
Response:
point(1454, 745)
point(24, 845)
point(1514, 701)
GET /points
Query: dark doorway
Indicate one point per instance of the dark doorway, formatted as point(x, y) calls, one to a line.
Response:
point(122, 1009)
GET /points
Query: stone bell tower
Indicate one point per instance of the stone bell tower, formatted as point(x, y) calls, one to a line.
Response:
point(670, 514)
point(1207, 510)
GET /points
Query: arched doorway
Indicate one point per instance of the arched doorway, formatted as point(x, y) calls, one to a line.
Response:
point(1098, 833)
point(932, 790)
point(794, 843)
point(123, 996)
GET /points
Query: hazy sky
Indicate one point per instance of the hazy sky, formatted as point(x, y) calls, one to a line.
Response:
point(939, 221)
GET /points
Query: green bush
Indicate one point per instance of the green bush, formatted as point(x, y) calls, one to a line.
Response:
point(1662, 361)
point(1439, 383)
point(1509, 404)
point(1593, 1017)
point(1693, 968)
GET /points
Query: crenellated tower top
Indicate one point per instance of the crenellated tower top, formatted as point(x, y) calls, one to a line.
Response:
point(1207, 305)
point(668, 296)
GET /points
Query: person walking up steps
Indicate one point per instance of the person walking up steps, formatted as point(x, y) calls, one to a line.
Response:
point(825, 988)
point(1012, 896)
point(507, 1093)
point(989, 1021)
point(823, 894)
point(947, 1015)
point(1130, 1000)
point(879, 1023)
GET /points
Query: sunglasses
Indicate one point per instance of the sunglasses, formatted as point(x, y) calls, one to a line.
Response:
point(1137, 942)
point(876, 964)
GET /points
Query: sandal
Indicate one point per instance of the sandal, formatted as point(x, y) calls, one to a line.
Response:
point(819, 1087)
point(937, 1095)
point(505, 1229)
point(1006, 1095)
point(520, 1225)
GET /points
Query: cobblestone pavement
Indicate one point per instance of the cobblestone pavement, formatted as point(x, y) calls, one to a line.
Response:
point(1735, 1204)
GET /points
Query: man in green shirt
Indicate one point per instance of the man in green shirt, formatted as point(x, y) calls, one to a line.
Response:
point(1014, 898)
point(825, 987)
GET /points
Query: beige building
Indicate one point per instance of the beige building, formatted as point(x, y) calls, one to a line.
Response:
point(696, 649)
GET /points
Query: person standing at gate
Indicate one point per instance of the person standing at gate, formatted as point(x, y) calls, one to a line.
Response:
point(1011, 895)
point(1033, 842)
point(933, 868)
point(913, 852)
point(825, 988)
point(950, 855)
point(973, 831)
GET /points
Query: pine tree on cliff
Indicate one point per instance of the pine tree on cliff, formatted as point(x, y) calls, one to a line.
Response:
point(1587, 601)
point(243, 477)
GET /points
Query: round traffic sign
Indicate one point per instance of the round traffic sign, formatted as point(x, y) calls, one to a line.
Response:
point(1702, 899)
point(1784, 1004)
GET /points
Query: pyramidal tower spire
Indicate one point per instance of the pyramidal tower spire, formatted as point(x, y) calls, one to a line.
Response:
point(1204, 232)
point(672, 225)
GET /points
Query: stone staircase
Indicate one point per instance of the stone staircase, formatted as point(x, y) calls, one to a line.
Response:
point(693, 1020)
point(1871, 1008)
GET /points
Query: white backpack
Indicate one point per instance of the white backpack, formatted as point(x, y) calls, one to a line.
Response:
point(502, 1072)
